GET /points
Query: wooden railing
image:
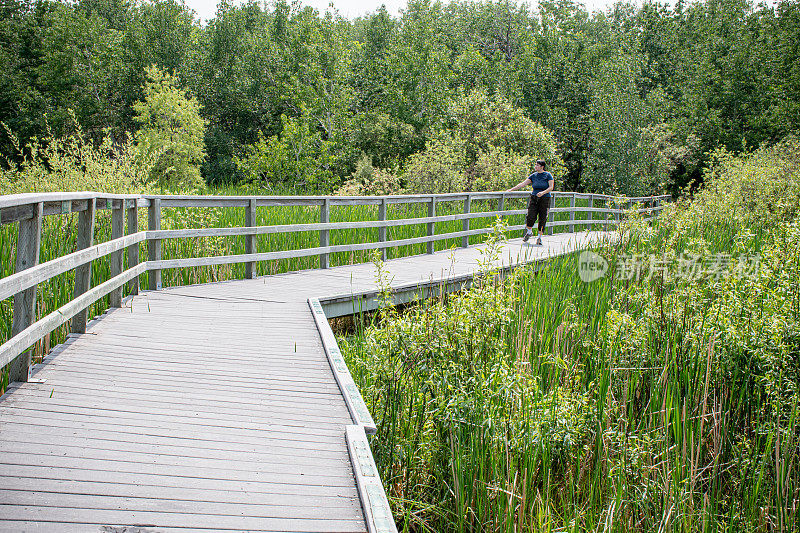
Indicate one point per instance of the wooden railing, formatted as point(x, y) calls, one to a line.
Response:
point(30, 209)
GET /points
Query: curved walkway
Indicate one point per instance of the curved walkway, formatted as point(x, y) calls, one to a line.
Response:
point(209, 408)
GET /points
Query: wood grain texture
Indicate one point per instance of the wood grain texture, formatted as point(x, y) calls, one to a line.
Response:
point(154, 245)
point(250, 240)
point(132, 214)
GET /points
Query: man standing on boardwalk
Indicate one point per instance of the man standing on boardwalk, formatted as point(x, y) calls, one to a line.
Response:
point(542, 182)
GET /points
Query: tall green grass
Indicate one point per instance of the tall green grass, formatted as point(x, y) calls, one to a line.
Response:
point(544, 403)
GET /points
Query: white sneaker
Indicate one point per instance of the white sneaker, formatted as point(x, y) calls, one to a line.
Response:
point(528, 235)
point(539, 241)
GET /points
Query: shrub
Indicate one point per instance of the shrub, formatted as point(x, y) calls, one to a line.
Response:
point(437, 169)
point(171, 132)
point(298, 157)
point(74, 163)
point(498, 169)
point(370, 181)
point(664, 401)
point(487, 144)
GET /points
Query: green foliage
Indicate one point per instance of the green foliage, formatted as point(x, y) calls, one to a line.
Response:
point(437, 169)
point(370, 181)
point(299, 155)
point(635, 98)
point(483, 122)
point(487, 144)
point(74, 163)
point(649, 403)
point(763, 188)
point(662, 154)
point(499, 169)
point(617, 155)
point(171, 132)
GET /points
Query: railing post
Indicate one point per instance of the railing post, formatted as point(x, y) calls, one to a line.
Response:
point(382, 230)
point(133, 249)
point(431, 225)
point(572, 213)
point(83, 273)
point(617, 207)
point(117, 232)
point(324, 234)
point(590, 205)
point(550, 216)
point(29, 238)
point(154, 245)
point(467, 210)
point(250, 240)
point(501, 202)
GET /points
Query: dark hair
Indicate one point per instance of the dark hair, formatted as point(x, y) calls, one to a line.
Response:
point(542, 162)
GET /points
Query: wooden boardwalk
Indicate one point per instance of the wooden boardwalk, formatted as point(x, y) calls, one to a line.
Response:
point(208, 408)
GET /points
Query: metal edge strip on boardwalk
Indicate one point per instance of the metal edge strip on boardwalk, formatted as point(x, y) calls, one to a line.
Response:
point(352, 396)
point(377, 513)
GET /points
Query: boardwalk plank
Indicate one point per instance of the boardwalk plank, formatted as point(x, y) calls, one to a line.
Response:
point(112, 442)
point(150, 519)
point(196, 408)
point(166, 429)
point(166, 389)
point(199, 471)
point(288, 486)
point(179, 399)
point(165, 504)
point(191, 494)
point(301, 453)
point(263, 463)
point(301, 377)
point(298, 431)
point(193, 416)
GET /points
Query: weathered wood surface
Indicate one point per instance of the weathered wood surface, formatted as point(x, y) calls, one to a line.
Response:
point(25, 300)
point(210, 407)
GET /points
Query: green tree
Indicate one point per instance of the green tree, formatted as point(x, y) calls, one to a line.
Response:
point(482, 121)
point(486, 143)
point(79, 70)
point(620, 114)
point(437, 169)
point(171, 131)
point(298, 156)
point(556, 67)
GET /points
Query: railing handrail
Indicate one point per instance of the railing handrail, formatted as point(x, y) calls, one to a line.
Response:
point(23, 284)
point(15, 207)
point(12, 200)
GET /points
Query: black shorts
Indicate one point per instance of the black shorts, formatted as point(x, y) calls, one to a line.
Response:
point(537, 207)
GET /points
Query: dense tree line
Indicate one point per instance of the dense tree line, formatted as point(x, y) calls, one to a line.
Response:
point(633, 99)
